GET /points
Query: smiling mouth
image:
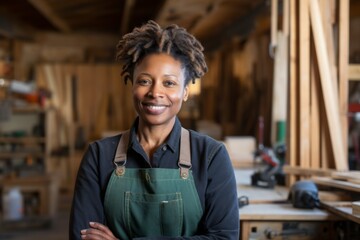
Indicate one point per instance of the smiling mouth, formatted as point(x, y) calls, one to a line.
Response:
point(154, 109)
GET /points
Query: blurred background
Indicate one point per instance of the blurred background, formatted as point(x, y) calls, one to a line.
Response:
point(60, 89)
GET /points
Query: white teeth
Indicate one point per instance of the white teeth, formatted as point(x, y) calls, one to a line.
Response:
point(155, 107)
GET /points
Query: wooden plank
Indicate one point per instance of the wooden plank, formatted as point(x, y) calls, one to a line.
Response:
point(354, 72)
point(292, 156)
point(325, 145)
point(76, 40)
point(280, 84)
point(306, 171)
point(343, 70)
point(342, 209)
point(350, 176)
point(331, 106)
point(304, 83)
point(274, 23)
point(329, 182)
point(286, 17)
point(333, 196)
point(315, 129)
point(356, 208)
point(46, 10)
point(326, 15)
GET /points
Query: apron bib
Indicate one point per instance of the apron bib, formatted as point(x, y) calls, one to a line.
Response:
point(152, 202)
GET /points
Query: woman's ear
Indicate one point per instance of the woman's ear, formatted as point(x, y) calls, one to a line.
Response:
point(186, 93)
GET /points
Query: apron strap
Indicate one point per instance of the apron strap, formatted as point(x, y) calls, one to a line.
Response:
point(184, 158)
point(120, 155)
point(185, 154)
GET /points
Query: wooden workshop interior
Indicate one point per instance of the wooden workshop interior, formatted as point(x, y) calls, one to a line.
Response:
point(282, 93)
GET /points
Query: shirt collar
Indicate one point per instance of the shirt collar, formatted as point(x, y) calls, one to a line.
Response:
point(172, 142)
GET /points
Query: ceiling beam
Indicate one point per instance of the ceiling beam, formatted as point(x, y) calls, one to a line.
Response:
point(184, 13)
point(241, 26)
point(43, 7)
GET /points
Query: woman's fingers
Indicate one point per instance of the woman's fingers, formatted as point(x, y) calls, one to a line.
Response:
point(97, 231)
point(102, 228)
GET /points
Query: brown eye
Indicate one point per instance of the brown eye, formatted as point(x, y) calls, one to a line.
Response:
point(169, 83)
point(143, 82)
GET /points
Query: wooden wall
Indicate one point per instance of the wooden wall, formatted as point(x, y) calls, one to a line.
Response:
point(90, 98)
point(238, 87)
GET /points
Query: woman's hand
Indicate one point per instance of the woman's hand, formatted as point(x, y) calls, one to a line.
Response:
point(97, 231)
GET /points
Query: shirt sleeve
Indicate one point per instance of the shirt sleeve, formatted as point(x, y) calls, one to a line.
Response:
point(87, 202)
point(221, 214)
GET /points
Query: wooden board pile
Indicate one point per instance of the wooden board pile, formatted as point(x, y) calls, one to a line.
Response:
point(318, 84)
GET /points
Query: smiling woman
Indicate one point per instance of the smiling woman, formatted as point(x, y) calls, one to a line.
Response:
point(157, 180)
point(158, 91)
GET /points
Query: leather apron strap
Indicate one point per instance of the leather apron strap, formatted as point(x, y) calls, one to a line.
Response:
point(120, 155)
point(185, 154)
point(184, 158)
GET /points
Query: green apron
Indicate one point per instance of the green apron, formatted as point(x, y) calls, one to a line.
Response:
point(151, 202)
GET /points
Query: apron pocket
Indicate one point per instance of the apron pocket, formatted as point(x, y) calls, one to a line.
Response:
point(171, 215)
point(153, 214)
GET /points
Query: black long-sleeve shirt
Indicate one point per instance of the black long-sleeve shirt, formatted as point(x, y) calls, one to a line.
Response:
point(212, 170)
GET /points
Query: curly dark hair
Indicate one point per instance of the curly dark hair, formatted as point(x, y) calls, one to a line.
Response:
point(173, 40)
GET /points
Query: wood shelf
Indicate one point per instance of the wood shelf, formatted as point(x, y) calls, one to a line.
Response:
point(19, 140)
point(6, 155)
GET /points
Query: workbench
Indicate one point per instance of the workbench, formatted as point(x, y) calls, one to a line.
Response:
point(270, 216)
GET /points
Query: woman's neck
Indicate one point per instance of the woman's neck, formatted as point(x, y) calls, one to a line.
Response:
point(151, 137)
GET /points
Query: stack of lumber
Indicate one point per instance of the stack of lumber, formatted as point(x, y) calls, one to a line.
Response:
point(318, 84)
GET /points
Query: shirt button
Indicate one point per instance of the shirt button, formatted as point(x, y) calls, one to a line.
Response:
point(164, 148)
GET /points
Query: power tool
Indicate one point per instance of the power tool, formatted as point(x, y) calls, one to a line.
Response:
point(304, 194)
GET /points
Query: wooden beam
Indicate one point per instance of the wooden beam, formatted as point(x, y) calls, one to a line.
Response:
point(291, 132)
point(315, 128)
point(356, 208)
point(304, 83)
point(81, 40)
point(329, 182)
point(45, 9)
point(307, 171)
point(354, 72)
point(274, 23)
point(286, 17)
point(344, 19)
point(331, 105)
point(280, 84)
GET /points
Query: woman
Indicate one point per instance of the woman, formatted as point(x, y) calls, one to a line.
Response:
point(156, 180)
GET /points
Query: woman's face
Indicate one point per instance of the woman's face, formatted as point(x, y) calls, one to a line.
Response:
point(158, 89)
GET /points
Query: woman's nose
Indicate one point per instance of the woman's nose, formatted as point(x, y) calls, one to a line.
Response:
point(155, 91)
